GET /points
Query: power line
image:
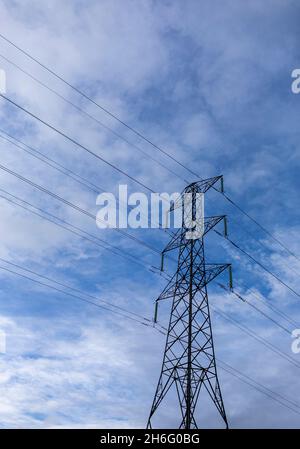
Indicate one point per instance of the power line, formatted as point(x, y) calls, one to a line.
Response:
point(75, 142)
point(141, 136)
point(89, 187)
point(75, 207)
point(89, 237)
point(235, 372)
point(97, 104)
point(73, 295)
point(254, 335)
point(261, 227)
point(146, 322)
point(68, 172)
point(146, 139)
point(82, 111)
point(263, 245)
point(262, 389)
point(240, 297)
point(124, 315)
point(294, 404)
point(274, 308)
point(258, 263)
point(60, 168)
point(86, 235)
point(76, 290)
point(49, 161)
point(116, 309)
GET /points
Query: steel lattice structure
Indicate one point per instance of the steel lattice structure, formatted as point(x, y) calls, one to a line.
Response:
point(189, 363)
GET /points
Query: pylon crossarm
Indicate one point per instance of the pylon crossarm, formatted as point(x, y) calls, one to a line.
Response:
point(176, 241)
point(212, 271)
point(204, 185)
point(211, 222)
point(198, 186)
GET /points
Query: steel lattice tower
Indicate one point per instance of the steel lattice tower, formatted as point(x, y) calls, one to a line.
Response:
point(189, 363)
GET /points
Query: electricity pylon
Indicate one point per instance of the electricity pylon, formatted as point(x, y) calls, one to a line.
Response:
point(189, 363)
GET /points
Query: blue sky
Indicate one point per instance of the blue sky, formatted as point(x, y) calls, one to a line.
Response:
point(211, 83)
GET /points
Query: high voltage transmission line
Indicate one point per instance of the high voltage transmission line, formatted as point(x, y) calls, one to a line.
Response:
point(189, 362)
point(73, 289)
point(127, 311)
point(263, 245)
point(130, 236)
point(228, 368)
point(81, 180)
point(121, 253)
point(237, 295)
point(95, 188)
point(92, 117)
point(55, 129)
point(254, 335)
point(129, 176)
point(128, 255)
point(188, 419)
point(259, 387)
point(275, 276)
point(91, 186)
point(59, 167)
point(75, 207)
point(78, 231)
point(73, 295)
point(145, 321)
point(144, 138)
point(115, 250)
point(78, 144)
point(275, 309)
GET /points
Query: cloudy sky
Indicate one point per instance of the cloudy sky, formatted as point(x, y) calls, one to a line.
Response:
point(210, 82)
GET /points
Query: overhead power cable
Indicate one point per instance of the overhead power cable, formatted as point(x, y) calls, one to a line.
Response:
point(80, 232)
point(75, 230)
point(73, 295)
point(143, 137)
point(82, 111)
point(60, 168)
point(78, 144)
point(257, 337)
point(78, 91)
point(69, 287)
point(75, 207)
point(243, 299)
point(275, 309)
point(261, 227)
point(146, 322)
point(260, 388)
point(275, 276)
point(262, 244)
